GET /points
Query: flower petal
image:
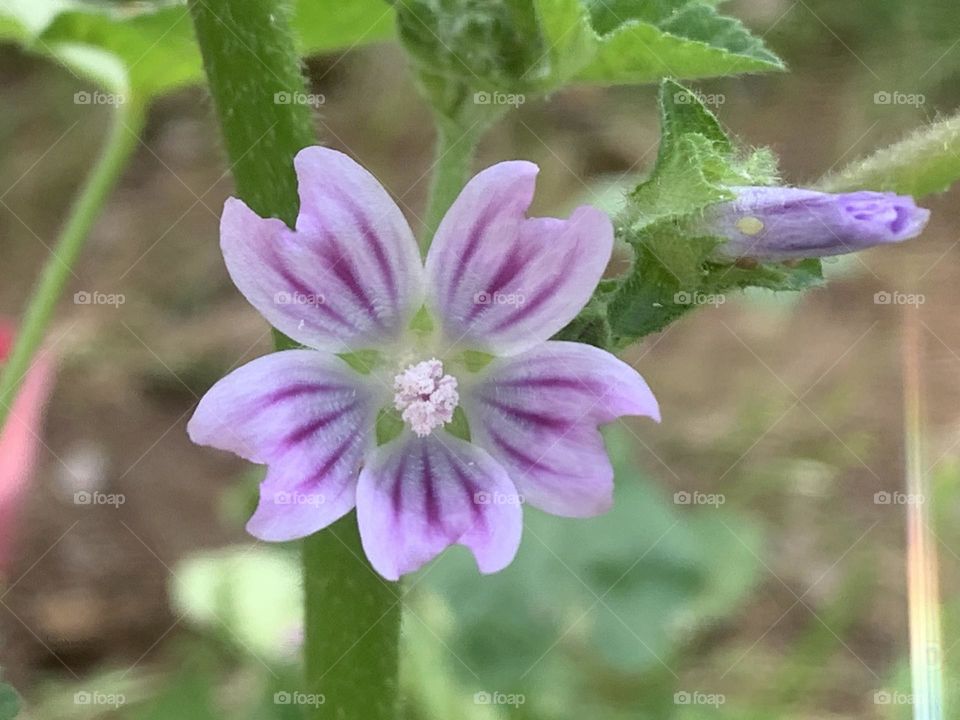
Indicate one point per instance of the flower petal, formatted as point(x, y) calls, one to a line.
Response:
point(417, 496)
point(310, 419)
point(537, 415)
point(502, 282)
point(349, 277)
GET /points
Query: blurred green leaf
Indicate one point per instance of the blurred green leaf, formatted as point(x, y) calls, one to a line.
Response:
point(614, 594)
point(926, 162)
point(330, 25)
point(149, 48)
point(144, 48)
point(9, 702)
point(251, 592)
point(190, 694)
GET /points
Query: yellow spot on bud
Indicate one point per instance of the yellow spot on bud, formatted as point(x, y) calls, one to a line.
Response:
point(749, 225)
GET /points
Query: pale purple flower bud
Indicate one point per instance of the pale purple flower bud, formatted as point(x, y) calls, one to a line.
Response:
point(778, 223)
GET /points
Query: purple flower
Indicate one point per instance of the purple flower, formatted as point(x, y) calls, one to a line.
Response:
point(776, 223)
point(496, 285)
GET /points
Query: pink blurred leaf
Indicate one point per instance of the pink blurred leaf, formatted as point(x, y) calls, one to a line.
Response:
point(20, 441)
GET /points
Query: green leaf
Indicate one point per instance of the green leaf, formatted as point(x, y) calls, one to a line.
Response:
point(9, 702)
point(696, 42)
point(324, 26)
point(610, 595)
point(632, 42)
point(251, 593)
point(149, 48)
point(146, 48)
point(924, 163)
point(190, 694)
point(468, 51)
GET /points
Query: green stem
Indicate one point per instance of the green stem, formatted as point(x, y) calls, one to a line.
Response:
point(352, 627)
point(452, 160)
point(352, 622)
point(123, 138)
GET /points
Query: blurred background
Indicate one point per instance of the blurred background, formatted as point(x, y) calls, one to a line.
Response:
point(754, 564)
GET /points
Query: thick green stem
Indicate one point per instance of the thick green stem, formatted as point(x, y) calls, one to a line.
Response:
point(352, 627)
point(352, 653)
point(454, 155)
point(123, 138)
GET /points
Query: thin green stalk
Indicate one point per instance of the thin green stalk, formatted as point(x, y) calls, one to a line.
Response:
point(352, 618)
point(453, 157)
point(123, 138)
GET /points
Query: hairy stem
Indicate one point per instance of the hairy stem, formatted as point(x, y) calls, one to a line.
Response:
point(452, 160)
point(123, 138)
point(352, 623)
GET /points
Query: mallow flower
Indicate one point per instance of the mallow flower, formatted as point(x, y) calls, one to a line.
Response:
point(426, 395)
point(782, 223)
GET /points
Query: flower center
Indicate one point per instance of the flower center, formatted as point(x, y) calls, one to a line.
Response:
point(425, 397)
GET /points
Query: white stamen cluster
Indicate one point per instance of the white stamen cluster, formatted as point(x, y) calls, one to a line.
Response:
point(425, 397)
